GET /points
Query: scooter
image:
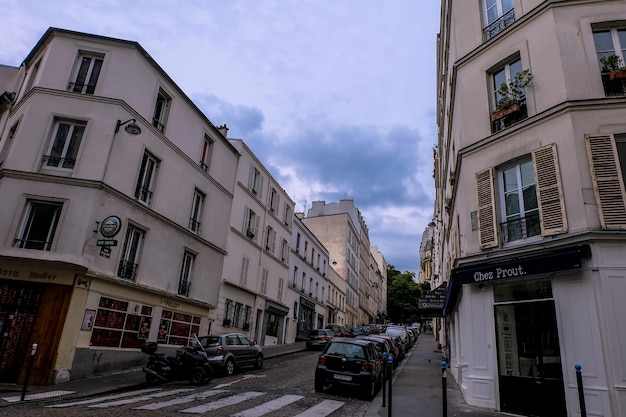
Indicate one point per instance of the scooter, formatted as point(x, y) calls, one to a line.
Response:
point(191, 362)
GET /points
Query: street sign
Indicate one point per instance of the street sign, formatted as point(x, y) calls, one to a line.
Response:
point(106, 242)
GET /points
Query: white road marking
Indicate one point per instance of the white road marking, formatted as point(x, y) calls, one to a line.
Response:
point(182, 400)
point(105, 398)
point(322, 409)
point(37, 396)
point(268, 407)
point(224, 402)
point(142, 398)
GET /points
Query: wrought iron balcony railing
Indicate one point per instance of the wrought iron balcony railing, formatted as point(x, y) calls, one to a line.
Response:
point(183, 288)
point(56, 161)
point(127, 270)
point(499, 25)
point(521, 228)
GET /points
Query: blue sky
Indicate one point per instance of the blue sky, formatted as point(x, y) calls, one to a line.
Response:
point(336, 98)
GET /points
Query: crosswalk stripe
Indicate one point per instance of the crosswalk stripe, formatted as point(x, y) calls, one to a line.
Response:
point(142, 398)
point(269, 406)
point(182, 400)
point(224, 402)
point(322, 409)
point(105, 398)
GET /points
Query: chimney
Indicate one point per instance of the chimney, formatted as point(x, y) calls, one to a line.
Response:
point(223, 130)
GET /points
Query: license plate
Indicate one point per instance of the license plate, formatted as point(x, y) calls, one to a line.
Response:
point(343, 377)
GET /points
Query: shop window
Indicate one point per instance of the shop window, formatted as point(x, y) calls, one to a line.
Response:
point(39, 225)
point(64, 145)
point(272, 324)
point(120, 324)
point(177, 328)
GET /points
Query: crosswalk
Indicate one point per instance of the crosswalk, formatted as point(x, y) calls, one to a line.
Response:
point(194, 401)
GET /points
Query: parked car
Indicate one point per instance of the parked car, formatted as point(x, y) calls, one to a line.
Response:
point(382, 346)
point(340, 330)
point(318, 338)
point(399, 331)
point(350, 362)
point(393, 348)
point(231, 351)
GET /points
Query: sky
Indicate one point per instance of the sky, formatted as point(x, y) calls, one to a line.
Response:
point(336, 98)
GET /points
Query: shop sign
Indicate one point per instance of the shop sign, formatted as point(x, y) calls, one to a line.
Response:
point(110, 226)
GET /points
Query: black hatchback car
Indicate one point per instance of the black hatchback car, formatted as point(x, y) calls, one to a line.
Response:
point(350, 362)
point(318, 338)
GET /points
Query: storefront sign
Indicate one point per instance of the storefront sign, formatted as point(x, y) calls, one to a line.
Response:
point(110, 226)
point(517, 269)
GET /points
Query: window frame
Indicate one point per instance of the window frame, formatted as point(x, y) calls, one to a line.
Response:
point(88, 85)
point(131, 253)
point(67, 163)
point(29, 219)
point(162, 107)
point(147, 178)
point(197, 207)
point(207, 153)
point(186, 273)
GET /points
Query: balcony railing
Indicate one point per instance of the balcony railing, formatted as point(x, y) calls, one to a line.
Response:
point(194, 225)
point(79, 87)
point(33, 244)
point(499, 25)
point(521, 228)
point(613, 86)
point(143, 194)
point(127, 270)
point(183, 288)
point(509, 119)
point(56, 161)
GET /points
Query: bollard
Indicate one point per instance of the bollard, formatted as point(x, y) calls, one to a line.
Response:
point(581, 392)
point(384, 377)
point(389, 367)
point(444, 395)
point(30, 367)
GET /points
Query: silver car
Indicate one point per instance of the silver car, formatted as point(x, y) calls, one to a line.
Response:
point(231, 351)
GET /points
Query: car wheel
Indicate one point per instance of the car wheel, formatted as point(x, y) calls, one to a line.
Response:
point(258, 363)
point(229, 367)
point(198, 376)
point(319, 385)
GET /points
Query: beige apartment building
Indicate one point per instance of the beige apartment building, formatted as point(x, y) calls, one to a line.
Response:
point(530, 213)
point(252, 295)
point(116, 200)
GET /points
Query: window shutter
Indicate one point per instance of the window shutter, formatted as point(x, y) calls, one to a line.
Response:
point(256, 227)
point(251, 178)
point(608, 184)
point(246, 216)
point(549, 191)
point(487, 228)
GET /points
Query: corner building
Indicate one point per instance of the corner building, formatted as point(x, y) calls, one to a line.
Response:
point(530, 206)
point(116, 199)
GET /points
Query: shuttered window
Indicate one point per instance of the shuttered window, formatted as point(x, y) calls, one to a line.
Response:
point(608, 182)
point(549, 191)
point(487, 228)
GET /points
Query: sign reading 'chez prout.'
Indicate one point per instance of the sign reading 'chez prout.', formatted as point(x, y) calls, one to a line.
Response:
point(522, 268)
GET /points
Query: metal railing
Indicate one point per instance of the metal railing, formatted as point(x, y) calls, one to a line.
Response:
point(55, 161)
point(127, 270)
point(183, 288)
point(499, 25)
point(521, 228)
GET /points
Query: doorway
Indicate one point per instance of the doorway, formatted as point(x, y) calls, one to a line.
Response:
point(529, 359)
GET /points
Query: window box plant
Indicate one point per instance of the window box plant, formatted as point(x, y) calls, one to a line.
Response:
point(250, 233)
point(511, 94)
point(613, 65)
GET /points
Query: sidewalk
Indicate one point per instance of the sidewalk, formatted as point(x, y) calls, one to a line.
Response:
point(417, 388)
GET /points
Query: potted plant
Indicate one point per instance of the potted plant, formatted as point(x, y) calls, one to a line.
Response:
point(614, 65)
point(250, 232)
point(511, 94)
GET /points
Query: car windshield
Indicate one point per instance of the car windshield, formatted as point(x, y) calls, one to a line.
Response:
point(346, 349)
point(210, 341)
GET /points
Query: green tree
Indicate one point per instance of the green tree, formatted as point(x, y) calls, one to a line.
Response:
point(402, 296)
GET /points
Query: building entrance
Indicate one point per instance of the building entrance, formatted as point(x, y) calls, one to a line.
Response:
point(529, 359)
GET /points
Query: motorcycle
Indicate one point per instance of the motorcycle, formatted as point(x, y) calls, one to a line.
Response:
point(191, 362)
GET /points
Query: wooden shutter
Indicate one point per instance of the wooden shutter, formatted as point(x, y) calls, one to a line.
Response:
point(487, 227)
point(608, 184)
point(549, 191)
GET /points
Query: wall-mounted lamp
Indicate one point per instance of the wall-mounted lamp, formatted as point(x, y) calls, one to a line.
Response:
point(334, 262)
point(131, 127)
point(433, 224)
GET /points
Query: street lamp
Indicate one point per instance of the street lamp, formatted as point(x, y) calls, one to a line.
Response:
point(130, 126)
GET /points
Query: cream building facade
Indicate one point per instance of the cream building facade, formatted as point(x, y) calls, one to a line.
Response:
point(116, 196)
point(530, 205)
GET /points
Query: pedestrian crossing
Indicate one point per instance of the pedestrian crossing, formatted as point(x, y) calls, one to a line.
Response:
point(194, 402)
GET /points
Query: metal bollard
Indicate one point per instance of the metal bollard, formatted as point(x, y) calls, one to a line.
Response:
point(28, 370)
point(444, 393)
point(581, 392)
point(384, 377)
point(389, 366)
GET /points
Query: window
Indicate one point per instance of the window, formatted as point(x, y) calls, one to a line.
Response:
point(185, 274)
point(196, 211)
point(507, 112)
point(295, 276)
point(530, 195)
point(255, 182)
point(281, 283)
point(270, 239)
point(243, 275)
point(611, 42)
point(39, 226)
point(161, 110)
point(519, 202)
point(120, 323)
point(130, 253)
point(272, 324)
point(33, 75)
point(145, 182)
point(87, 72)
point(207, 153)
point(264, 277)
point(287, 215)
point(63, 148)
point(499, 14)
point(250, 224)
point(177, 328)
point(284, 250)
point(274, 200)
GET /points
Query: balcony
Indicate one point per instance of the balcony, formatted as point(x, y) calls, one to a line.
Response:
point(509, 116)
point(127, 270)
point(499, 25)
point(143, 194)
point(614, 83)
point(194, 225)
point(522, 228)
point(183, 288)
point(58, 162)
